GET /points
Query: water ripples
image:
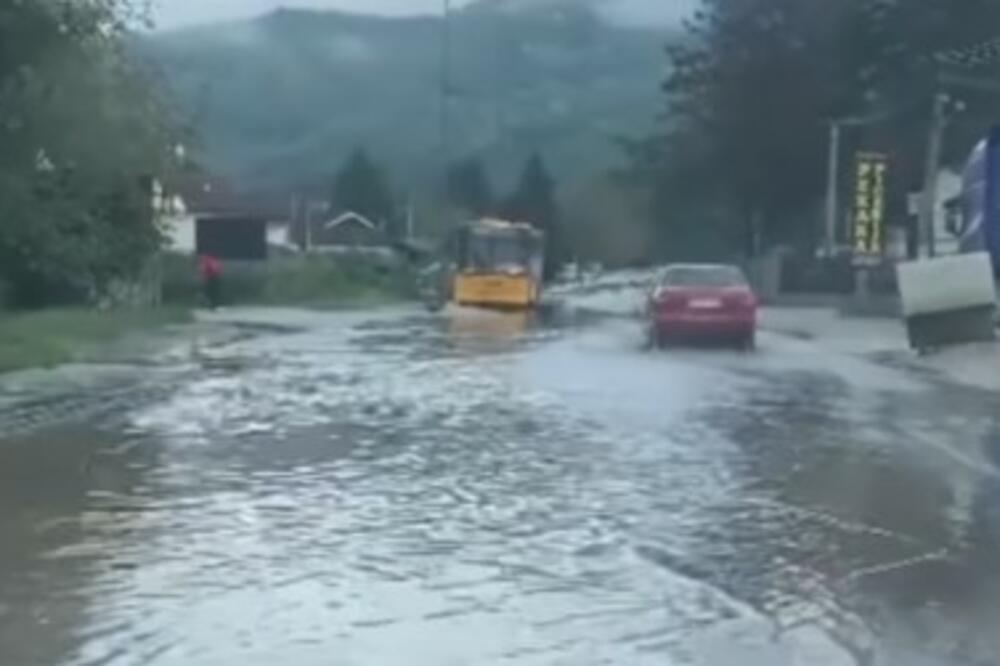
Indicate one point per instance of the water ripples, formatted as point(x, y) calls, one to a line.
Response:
point(389, 495)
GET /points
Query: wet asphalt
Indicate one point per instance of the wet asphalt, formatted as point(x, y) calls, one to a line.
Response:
point(476, 488)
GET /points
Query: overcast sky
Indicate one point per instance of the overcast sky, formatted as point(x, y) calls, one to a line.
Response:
point(174, 13)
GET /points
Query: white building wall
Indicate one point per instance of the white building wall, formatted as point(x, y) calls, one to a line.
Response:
point(949, 185)
point(181, 235)
point(278, 235)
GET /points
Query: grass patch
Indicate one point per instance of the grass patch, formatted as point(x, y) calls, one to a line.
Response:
point(50, 337)
point(327, 282)
point(322, 282)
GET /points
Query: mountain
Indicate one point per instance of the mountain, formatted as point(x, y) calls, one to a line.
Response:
point(625, 12)
point(278, 102)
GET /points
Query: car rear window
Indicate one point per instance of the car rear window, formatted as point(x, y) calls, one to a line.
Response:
point(704, 276)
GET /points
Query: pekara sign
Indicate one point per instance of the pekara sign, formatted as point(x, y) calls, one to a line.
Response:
point(871, 170)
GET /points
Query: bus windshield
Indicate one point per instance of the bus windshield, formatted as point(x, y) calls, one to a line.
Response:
point(495, 250)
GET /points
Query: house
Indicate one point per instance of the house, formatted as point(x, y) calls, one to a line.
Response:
point(947, 212)
point(205, 215)
point(346, 233)
point(948, 198)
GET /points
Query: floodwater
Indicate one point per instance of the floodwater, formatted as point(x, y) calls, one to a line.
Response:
point(474, 488)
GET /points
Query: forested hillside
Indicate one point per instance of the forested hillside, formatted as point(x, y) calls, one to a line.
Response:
point(281, 100)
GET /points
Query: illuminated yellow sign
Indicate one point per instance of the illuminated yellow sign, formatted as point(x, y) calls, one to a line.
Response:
point(869, 206)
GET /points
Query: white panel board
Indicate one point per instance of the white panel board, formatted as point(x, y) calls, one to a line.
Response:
point(950, 283)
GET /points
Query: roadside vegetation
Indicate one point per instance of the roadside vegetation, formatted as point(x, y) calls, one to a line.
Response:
point(64, 334)
point(83, 130)
point(45, 338)
point(739, 164)
point(307, 281)
point(75, 198)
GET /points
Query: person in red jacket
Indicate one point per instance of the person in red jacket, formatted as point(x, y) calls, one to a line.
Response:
point(210, 269)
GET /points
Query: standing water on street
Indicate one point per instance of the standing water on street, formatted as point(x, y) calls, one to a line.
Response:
point(556, 332)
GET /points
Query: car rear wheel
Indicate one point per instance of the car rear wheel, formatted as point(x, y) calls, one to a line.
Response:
point(649, 341)
point(658, 339)
point(748, 342)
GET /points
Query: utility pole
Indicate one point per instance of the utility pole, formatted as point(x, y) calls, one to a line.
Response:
point(409, 219)
point(928, 202)
point(833, 172)
point(310, 207)
point(446, 55)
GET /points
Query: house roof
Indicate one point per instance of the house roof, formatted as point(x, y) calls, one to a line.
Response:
point(351, 216)
point(205, 194)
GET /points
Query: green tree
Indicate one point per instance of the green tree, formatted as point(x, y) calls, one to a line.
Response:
point(750, 93)
point(362, 187)
point(609, 216)
point(904, 40)
point(534, 202)
point(74, 196)
point(741, 161)
point(469, 187)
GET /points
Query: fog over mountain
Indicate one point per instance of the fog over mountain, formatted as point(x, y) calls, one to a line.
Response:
point(279, 100)
point(177, 13)
point(626, 12)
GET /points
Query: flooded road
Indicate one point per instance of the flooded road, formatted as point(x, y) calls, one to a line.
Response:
point(416, 490)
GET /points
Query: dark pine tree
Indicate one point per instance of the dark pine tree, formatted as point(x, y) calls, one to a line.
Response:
point(534, 202)
point(361, 187)
point(469, 187)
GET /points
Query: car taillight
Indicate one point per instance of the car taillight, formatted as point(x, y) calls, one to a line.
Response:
point(745, 300)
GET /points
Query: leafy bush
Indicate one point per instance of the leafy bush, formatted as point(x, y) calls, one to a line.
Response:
point(75, 214)
point(180, 279)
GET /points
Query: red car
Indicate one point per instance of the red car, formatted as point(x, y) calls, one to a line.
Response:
point(702, 302)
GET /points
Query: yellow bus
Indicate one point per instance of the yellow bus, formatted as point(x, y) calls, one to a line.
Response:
point(499, 264)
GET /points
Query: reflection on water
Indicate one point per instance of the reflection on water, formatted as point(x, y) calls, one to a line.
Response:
point(60, 490)
point(413, 491)
point(851, 520)
point(476, 324)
